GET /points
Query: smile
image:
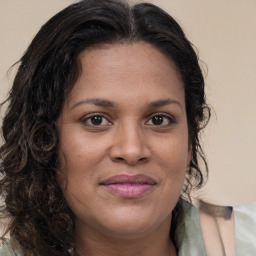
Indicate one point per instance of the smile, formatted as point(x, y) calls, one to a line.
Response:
point(129, 186)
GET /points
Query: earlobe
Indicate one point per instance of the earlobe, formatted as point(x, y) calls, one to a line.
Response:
point(61, 175)
point(61, 179)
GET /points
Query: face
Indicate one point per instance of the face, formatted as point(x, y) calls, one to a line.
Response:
point(123, 146)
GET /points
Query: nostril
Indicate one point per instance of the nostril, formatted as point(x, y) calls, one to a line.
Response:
point(143, 159)
point(119, 159)
point(129, 154)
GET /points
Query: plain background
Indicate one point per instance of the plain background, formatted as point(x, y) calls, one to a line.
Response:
point(224, 32)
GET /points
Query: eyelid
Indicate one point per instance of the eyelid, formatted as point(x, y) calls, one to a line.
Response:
point(87, 116)
point(170, 117)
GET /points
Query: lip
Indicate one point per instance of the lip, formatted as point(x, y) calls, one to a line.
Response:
point(129, 186)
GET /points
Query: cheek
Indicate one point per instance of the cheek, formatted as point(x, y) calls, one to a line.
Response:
point(77, 159)
point(78, 146)
point(174, 151)
point(173, 157)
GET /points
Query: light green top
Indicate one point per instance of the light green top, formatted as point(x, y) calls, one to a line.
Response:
point(189, 236)
point(9, 248)
point(245, 229)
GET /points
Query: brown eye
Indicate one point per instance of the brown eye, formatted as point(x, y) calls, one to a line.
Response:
point(157, 120)
point(95, 120)
point(161, 120)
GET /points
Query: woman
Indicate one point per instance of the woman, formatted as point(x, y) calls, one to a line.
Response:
point(101, 136)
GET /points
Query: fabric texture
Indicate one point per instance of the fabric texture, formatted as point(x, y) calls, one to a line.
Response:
point(245, 229)
point(8, 247)
point(188, 233)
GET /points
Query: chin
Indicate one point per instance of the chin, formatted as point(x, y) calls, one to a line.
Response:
point(130, 229)
point(133, 223)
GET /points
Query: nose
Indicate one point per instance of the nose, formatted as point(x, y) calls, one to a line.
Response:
point(130, 146)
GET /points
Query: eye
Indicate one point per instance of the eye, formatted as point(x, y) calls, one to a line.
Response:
point(161, 120)
point(95, 120)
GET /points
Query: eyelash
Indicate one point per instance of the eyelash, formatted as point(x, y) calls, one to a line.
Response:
point(88, 117)
point(170, 119)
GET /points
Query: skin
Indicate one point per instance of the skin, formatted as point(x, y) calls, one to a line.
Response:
point(127, 140)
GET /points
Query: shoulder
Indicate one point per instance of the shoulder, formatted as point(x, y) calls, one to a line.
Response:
point(228, 230)
point(188, 233)
point(8, 247)
point(206, 229)
point(217, 225)
point(245, 228)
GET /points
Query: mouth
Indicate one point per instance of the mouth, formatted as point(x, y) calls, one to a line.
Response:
point(129, 186)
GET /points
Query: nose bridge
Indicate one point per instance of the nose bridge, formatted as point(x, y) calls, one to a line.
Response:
point(129, 143)
point(131, 137)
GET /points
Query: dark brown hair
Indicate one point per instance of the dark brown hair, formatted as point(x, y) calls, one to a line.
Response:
point(40, 219)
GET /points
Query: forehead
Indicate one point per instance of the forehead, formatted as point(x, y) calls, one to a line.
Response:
point(127, 70)
point(137, 57)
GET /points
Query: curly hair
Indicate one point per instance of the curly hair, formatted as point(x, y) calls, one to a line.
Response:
point(48, 69)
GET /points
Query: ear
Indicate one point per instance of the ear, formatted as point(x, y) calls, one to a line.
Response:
point(61, 173)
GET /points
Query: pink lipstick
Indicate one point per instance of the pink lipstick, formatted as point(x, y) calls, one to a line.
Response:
point(129, 186)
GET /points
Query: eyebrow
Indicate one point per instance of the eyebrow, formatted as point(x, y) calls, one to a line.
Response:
point(107, 103)
point(163, 102)
point(96, 102)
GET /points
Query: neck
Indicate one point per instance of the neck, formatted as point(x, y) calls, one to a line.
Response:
point(96, 243)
